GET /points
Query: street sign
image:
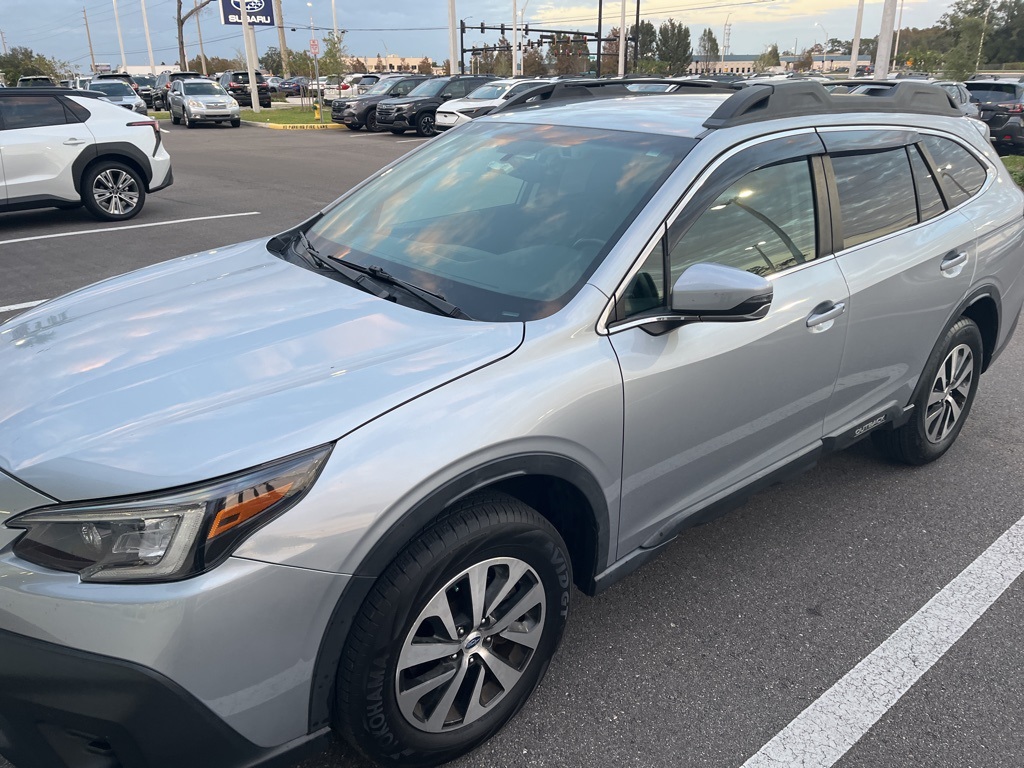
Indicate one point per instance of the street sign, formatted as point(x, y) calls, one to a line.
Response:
point(261, 12)
point(314, 47)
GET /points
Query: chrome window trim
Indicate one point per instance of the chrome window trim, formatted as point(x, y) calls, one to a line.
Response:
point(602, 320)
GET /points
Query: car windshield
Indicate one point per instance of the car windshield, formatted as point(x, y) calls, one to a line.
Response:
point(204, 89)
point(993, 91)
point(384, 86)
point(488, 92)
point(429, 88)
point(505, 220)
point(113, 88)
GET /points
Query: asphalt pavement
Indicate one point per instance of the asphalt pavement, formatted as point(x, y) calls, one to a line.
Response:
point(705, 655)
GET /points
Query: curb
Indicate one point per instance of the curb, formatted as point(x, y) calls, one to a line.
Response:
point(295, 126)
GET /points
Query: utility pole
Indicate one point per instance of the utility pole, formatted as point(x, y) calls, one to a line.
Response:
point(600, 44)
point(281, 42)
point(981, 42)
point(254, 93)
point(120, 40)
point(899, 27)
point(334, 17)
point(515, 39)
point(636, 41)
point(622, 38)
point(149, 43)
point(92, 58)
point(4, 39)
point(199, 30)
point(726, 30)
point(885, 40)
point(855, 50)
point(453, 42)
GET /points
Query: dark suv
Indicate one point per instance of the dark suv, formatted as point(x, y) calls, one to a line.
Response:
point(1001, 105)
point(357, 111)
point(236, 82)
point(163, 85)
point(417, 109)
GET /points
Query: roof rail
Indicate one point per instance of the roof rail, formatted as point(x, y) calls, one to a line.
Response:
point(578, 90)
point(772, 101)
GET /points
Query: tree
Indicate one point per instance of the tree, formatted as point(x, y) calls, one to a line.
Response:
point(502, 64)
point(673, 47)
point(961, 61)
point(610, 48)
point(447, 64)
point(707, 50)
point(805, 62)
point(379, 65)
point(356, 65)
point(647, 42)
point(181, 19)
point(533, 63)
point(485, 61)
point(215, 64)
point(333, 56)
point(769, 58)
point(839, 47)
point(270, 60)
point(22, 62)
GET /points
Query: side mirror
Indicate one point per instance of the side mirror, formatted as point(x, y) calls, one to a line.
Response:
point(716, 293)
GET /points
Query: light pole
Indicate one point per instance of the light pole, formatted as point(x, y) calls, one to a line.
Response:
point(824, 48)
point(316, 65)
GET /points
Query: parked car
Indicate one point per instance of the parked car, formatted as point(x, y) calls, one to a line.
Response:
point(236, 83)
point(145, 84)
point(120, 93)
point(417, 110)
point(368, 80)
point(200, 101)
point(295, 86)
point(1001, 106)
point(204, 451)
point(163, 85)
point(273, 82)
point(480, 101)
point(123, 77)
point(35, 81)
point(73, 149)
point(356, 112)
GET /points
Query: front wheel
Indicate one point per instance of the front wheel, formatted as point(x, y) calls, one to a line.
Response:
point(425, 125)
point(236, 123)
point(353, 127)
point(174, 118)
point(189, 122)
point(941, 407)
point(371, 122)
point(113, 191)
point(397, 131)
point(455, 635)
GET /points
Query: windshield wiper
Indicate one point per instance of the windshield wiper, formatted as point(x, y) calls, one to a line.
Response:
point(354, 276)
point(434, 300)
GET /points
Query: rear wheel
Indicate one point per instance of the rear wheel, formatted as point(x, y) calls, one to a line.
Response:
point(113, 191)
point(941, 407)
point(455, 635)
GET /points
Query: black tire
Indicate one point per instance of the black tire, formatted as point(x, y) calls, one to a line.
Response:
point(480, 528)
point(929, 434)
point(425, 124)
point(188, 121)
point(397, 131)
point(352, 127)
point(95, 187)
point(175, 120)
point(236, 123)
point(371, 122)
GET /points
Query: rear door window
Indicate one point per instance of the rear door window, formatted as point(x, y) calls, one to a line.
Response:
point(958, 171)
point(876, 194)
point(31, 112)
point(929, 201)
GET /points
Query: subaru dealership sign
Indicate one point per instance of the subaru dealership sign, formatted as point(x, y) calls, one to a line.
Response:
point(261, 12)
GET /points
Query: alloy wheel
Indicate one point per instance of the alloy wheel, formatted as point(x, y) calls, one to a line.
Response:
point(470, 645)
point(949, 393)
point(115, 191)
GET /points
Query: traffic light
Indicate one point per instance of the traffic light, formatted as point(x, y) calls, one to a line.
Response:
point(463, 26)
point(526, 30)
point(481, 27)
point(502, 29)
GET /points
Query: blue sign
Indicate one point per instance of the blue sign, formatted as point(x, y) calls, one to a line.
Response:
point(261, 12)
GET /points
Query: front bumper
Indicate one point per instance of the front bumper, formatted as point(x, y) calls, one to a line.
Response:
point(394, 121)
point(205, 114)
point(61, 708)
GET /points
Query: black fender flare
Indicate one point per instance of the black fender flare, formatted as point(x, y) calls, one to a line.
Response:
point(416, 519)
point(113, 150)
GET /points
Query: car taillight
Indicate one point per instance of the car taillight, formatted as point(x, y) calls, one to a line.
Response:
point(167, 86)
point(1014, 108)
point(344, 87)
point(151, 123)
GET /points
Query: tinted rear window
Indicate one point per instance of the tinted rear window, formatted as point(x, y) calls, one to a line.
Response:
point(876, 194)
point(995, 91)
point(958, 171)
point(32, 112)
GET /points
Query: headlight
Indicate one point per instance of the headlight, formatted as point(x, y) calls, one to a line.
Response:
point(194, 103)
point(233, 102)
point(474, 112)
point(164, 537)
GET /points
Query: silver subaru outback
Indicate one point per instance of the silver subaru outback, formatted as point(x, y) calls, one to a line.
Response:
point(344, 479)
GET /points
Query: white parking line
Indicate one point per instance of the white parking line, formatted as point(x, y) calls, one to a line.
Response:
point(820, 735)
point(129, 226)
point(407, 141)
point(26, 305)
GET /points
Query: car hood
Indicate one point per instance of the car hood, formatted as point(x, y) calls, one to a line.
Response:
point(207, 99)
point(210, 364)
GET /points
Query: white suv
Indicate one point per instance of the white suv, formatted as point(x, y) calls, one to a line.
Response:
point(480, 102)
point(63, 149)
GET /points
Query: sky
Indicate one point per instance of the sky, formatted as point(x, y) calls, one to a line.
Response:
point(417, 28)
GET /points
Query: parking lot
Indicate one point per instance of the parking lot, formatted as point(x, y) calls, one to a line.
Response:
point(703, 656)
